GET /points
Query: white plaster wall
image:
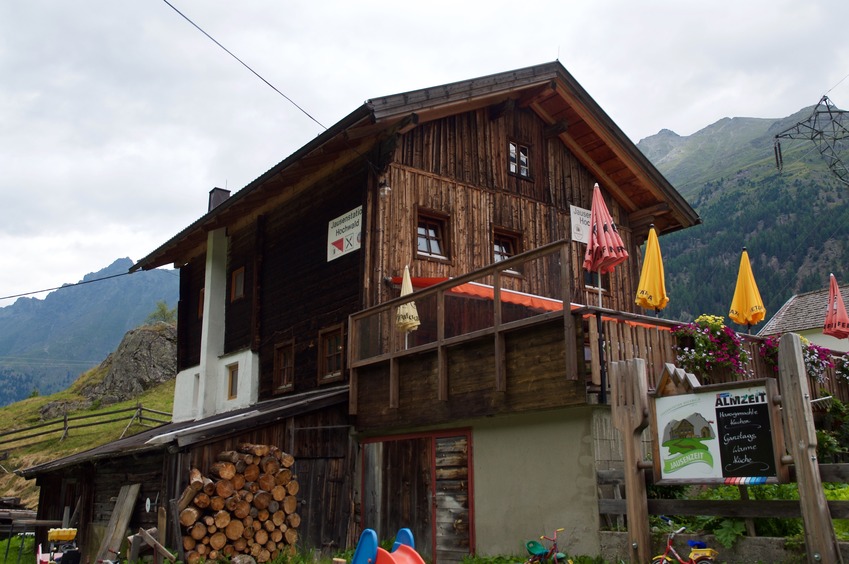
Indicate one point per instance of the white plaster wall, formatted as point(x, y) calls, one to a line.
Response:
point(185, 395)
point(816, 337)
point(533, 474)
point(248, 385)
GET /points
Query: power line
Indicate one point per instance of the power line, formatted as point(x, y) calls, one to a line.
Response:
point(244, 64)
point(67, 286)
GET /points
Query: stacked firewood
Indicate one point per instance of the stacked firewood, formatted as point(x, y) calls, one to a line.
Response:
point(245, 505)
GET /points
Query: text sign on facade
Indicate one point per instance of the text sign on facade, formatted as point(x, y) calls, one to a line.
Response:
point(720, 435)
point(344, 234)
point(580, 224)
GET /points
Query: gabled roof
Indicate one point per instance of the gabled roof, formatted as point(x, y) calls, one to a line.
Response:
point(187, 433)
point(547, 89)
point(801, 312)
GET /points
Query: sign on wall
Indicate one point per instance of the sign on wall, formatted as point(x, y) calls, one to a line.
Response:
point(580, 224)
point(344, 234)
point(719, 434)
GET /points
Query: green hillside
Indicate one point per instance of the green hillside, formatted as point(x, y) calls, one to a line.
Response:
point(793, 223)
point(47, 446)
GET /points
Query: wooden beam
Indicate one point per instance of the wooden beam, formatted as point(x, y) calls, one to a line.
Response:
point(630, 416)
point(820, 540)
point(118, 521)
point(555, 129)
point(498, 110)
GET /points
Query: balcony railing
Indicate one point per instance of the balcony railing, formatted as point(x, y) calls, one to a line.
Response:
point(515, 295)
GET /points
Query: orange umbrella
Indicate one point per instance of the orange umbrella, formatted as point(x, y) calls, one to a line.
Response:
point(836, 320)
point(605, 249)
point(747, 307)
point(651, 291)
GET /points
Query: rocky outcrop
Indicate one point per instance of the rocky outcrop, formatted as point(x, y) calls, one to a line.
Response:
point(146, 357)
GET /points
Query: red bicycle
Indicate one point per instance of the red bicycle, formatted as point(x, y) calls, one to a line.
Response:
point(699, 551)
point(539, 554)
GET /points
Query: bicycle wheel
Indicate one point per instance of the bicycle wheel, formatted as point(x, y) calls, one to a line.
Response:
point(662, 560)
point(705, 560)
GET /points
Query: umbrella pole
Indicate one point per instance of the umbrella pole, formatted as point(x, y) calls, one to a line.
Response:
point(599, 290)
point(602, 394)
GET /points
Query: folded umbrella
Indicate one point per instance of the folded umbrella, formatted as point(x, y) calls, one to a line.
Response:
point(836, 320)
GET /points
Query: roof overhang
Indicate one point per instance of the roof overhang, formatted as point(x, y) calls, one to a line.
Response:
point(178, 436)
point(548, 89)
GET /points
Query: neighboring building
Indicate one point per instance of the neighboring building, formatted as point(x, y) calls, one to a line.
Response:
point(804, 314)
point(479, 429)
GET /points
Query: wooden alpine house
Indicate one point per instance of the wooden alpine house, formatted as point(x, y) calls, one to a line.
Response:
point(482, 420)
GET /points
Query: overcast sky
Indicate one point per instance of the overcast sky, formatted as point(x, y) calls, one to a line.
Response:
point(118, 117)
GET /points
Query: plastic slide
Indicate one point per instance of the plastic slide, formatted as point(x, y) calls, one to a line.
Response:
point(404, 536)
point(366, 551)
point(406, 555)
point(403, 551)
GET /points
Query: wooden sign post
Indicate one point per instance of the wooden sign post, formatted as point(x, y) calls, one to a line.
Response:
point(820, 541)
point(630, 416)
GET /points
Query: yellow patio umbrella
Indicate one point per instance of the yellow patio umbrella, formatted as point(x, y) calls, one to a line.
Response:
point(651, 291)
point(407, 316)
point(747, 307)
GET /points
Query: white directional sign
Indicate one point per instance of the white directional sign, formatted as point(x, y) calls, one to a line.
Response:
point(344, 234)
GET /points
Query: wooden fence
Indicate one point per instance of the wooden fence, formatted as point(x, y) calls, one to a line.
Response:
point(143, 416)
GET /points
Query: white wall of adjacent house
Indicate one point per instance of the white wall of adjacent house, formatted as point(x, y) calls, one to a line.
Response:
point(816, 337)
point(220, 383)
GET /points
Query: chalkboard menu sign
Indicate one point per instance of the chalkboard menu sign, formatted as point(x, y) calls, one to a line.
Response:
point(717, 434)
point(745, 434)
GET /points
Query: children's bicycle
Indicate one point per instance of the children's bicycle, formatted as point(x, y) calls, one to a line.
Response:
point(699, 551)
point(539, 554)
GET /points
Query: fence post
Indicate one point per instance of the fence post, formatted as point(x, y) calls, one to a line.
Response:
point(65, 426)
point(820, 541)
point(630, 416)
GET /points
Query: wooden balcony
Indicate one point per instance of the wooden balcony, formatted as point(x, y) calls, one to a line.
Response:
point(499, 340)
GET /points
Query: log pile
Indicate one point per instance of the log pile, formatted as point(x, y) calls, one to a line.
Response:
point(246, 504)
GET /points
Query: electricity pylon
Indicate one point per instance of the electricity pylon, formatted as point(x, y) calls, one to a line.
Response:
point(827, 128)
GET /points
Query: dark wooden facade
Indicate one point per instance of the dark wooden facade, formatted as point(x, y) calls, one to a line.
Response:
point(442, 152)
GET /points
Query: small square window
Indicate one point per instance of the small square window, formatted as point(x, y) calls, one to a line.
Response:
point(519, 160)
point(232, 381)
point(432, 236)
point(284, 366)
point(331, 351)
point(237, 284)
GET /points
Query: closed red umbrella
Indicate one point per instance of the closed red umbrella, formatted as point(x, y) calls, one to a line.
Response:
point(836, 320)
point(605, 249)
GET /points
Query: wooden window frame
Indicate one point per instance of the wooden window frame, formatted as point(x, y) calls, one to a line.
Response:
point(514, 238)
point(442, 222)
point(591, 281)
point(514, 161)
point(232, 381)
point(327, 337)
point(237, 284)
point(284, 366)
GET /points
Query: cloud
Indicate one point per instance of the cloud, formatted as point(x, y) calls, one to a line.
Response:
point(117, 118)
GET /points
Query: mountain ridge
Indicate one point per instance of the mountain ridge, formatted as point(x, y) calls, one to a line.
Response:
point(793, 222)
point(46, 343)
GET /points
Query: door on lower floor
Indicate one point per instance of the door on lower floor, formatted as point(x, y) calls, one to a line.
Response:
point(421, 482)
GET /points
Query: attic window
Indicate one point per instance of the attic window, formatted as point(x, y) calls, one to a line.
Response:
point(519, 160)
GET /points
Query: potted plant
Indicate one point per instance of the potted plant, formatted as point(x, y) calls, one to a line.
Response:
point(707, 348)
